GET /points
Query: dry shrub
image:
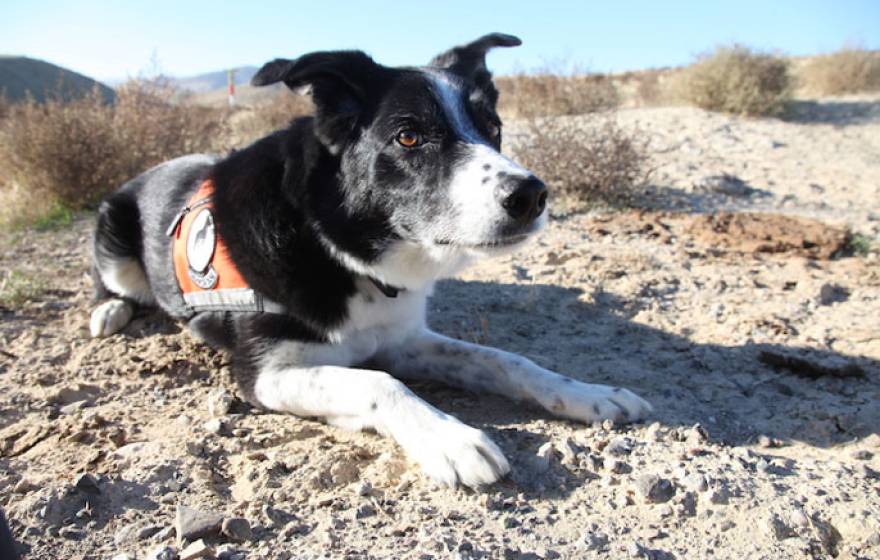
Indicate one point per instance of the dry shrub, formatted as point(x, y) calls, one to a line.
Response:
point(264, 118)
point(548, 94)
point(68, 155)
point(846, 71)
point(585, 164)
point(737, 80)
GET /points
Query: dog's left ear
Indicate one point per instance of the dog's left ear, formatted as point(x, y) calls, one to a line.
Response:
point(343, 85)
point(469, 61)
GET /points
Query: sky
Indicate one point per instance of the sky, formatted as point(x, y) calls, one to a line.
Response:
point(115, 40)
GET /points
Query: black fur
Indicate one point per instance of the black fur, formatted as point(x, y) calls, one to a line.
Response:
point(337, 179)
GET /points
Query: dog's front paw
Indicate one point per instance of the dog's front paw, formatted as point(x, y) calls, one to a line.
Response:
point(454, 453)
point(592, 403)
point(110, 317)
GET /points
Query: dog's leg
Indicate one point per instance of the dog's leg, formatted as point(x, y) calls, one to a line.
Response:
point(448, 451)
point(110, 317)
point(429, 355)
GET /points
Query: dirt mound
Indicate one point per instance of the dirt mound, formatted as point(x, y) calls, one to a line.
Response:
point(735, 234)
point(769, 233)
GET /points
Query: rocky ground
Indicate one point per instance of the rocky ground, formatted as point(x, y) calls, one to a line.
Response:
point(735, 301)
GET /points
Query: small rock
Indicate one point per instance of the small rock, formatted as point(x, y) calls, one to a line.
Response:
point(87, 483)
point(543, 458)
point(697, 435)
point(862, 455)
point(164, 534)
point(197, 549)
point(594, 462)
point(762, 466)
point(618, 467)
point(73, 407)
point(126, 534)
point(219, 403)
point(162, 552)
point(147, 531)
point(192, 524)
point(634, 549)
point(568, 450)
point(653, 432)
point(830, 294)
point(695, 482)
point(24, 486)
point(798, 518)
point(365, 510)
point(237, 529)
point(719, 496)
point(778, 529)
point(654, 489)
point(215, 426)
point(365, 489)
point(72, 532)
point(123, 556)
point(595, 539)
point(620, 446)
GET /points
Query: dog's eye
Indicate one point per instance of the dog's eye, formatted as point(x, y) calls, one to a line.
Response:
point(408, 138)
point(494, 130)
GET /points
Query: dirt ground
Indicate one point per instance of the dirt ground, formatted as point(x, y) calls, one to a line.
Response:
point(732, 300)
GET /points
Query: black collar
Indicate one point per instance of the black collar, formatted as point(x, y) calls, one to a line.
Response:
point(389, 291)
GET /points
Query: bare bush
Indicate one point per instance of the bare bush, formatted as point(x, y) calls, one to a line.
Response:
point(264, 118)
point(547, 94)
point(69, 154)
point(737, 80)
point(845, 71)
point(585, 164)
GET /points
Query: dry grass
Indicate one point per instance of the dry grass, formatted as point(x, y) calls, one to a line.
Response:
point(17, 288)
point(737, 80)
point(842, 72)
point(585, 165)
point(547, 94)
point(255, 122)
point(60, 156)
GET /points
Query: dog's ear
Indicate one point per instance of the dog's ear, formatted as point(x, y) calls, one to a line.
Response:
point(342, 83)
point(469, 61)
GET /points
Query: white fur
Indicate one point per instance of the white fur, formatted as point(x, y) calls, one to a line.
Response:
point(110, 317)
point(125, 277)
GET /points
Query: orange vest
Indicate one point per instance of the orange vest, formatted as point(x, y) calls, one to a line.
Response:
point(207, 277)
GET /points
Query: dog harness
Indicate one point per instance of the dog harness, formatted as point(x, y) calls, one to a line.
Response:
point(206, 275)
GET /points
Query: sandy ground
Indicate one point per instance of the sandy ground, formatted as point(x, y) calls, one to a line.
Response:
point(755, 336)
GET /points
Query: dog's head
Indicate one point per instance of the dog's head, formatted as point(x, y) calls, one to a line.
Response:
point(422, 184)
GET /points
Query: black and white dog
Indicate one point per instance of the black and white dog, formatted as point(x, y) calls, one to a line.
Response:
point(340, 225)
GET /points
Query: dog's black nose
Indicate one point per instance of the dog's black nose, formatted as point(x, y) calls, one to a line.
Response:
point(527, 201)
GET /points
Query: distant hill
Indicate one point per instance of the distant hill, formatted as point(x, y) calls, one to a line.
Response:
point(20, 75)
point(211, 81)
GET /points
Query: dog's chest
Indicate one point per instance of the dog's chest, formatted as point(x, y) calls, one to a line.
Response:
point(376, 321)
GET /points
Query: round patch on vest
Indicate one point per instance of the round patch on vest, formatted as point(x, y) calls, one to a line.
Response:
point(201, 241)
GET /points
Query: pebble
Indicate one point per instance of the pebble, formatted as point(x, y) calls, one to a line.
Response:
point(365, 510)
point(365, 489)
point(237, 529)
point(620, 446)
point(543, 458)
point(87, 483)
point(126, 533)
point(654, 489)
point(653, 432)
point(618, 467)
point(568, 450)
point(595, 539)
point(162, 552)
point(72, 532)
point(778, 529)
point(24, 486)
point(147, 531)
point(193, 524)
point(214, 426)
point(862, 455)
point(695, 482)
point(718, 496)
point(697, 435)
point(197, 549)
point(219, 403)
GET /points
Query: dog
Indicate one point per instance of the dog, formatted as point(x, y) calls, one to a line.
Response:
point(311, 253)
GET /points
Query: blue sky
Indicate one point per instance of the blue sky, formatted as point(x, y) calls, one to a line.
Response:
point(112, 40)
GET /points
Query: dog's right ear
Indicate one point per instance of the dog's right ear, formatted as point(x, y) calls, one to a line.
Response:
point(343, 84)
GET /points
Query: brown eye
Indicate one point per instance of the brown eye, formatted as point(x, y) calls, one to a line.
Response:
point(408, 138)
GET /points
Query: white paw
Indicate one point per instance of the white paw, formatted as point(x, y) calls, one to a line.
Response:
point(454, 453)
point(591, 403)
point(110, 317)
